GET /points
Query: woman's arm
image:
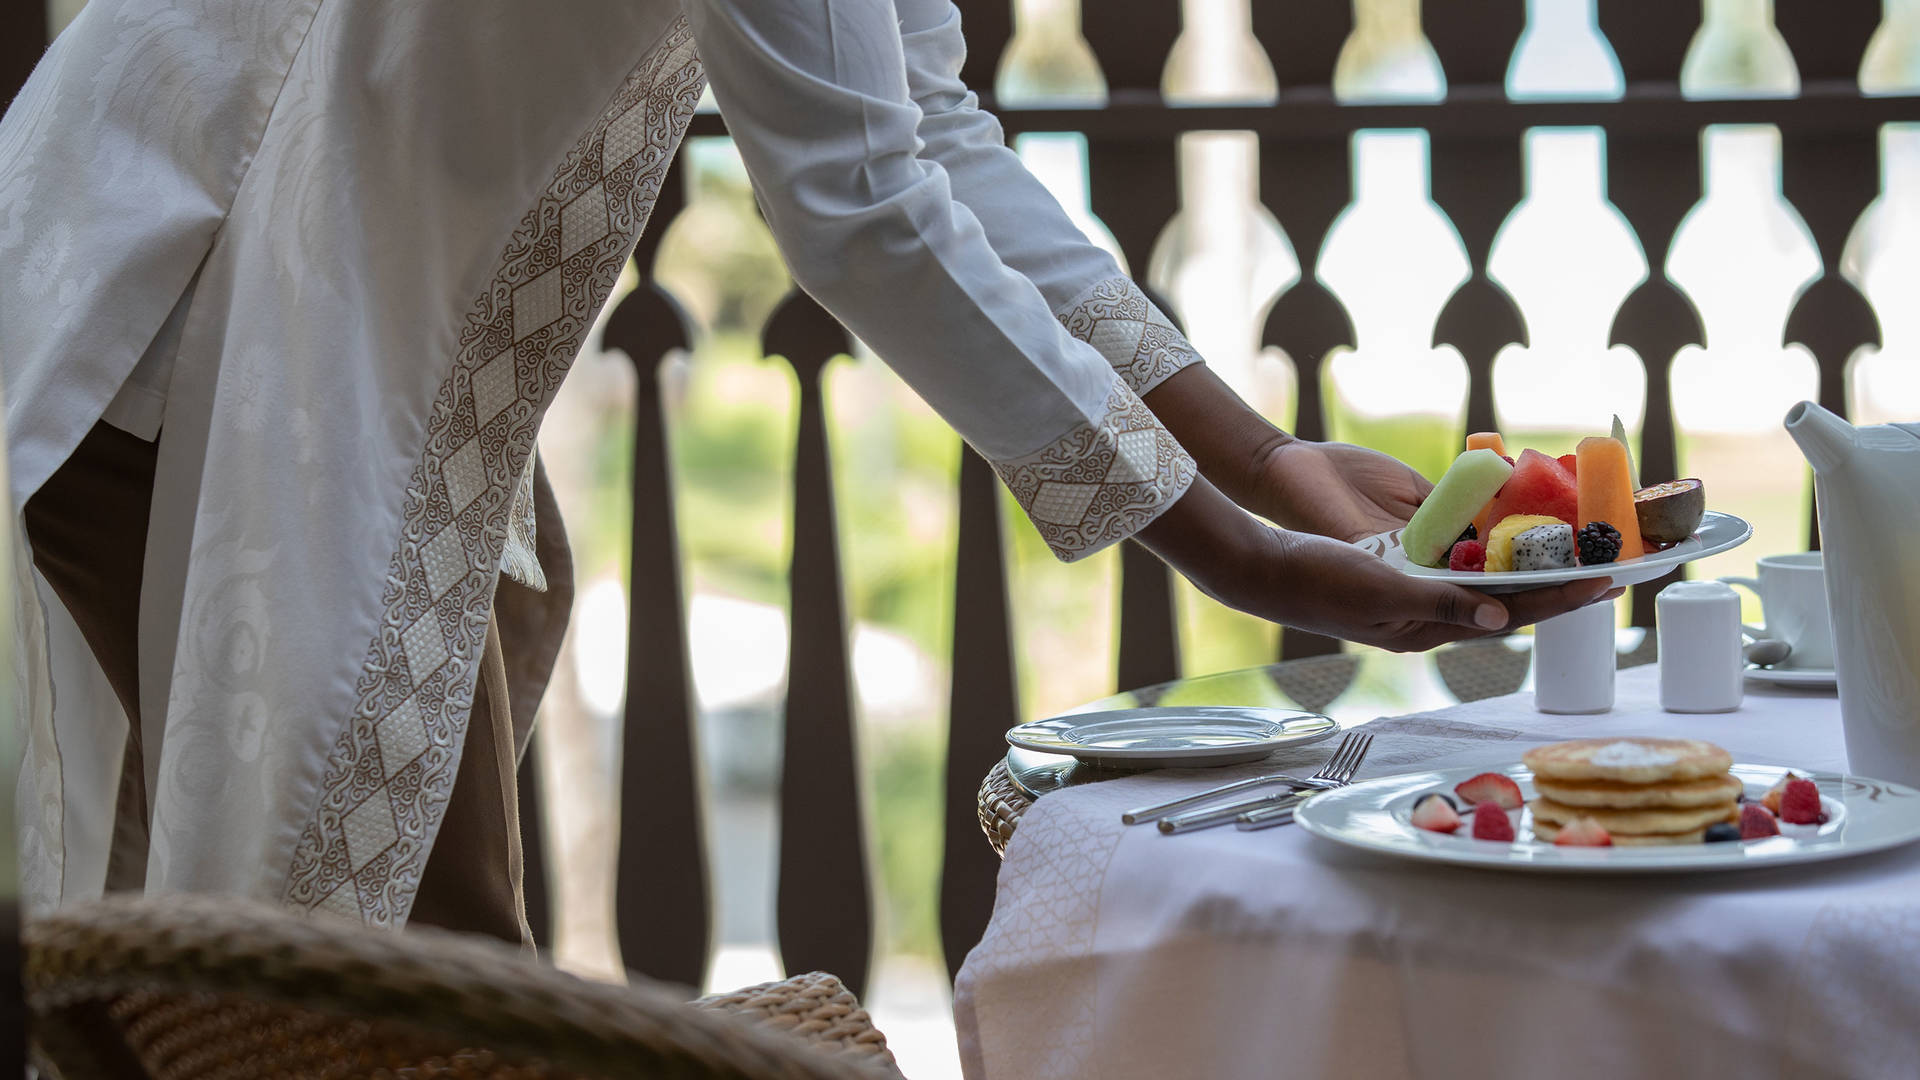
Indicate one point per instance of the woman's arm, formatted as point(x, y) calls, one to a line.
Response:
point(1328, 488)
point(816, 95)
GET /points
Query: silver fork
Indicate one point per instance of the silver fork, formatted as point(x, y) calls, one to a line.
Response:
point(1142, 814)
point(1338, 770)
point(1266, 817)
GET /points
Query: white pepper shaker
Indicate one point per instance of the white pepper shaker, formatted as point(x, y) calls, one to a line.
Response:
point(1573, 661)
point(1700, 659)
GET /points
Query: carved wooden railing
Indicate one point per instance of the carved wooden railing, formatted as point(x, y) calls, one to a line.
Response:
point(1831, 172)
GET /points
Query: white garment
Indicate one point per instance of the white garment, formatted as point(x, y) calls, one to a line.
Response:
point(402, 220)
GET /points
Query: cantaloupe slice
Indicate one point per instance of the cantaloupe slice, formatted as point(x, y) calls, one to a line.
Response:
point(1486, 440)
point(1605, 481)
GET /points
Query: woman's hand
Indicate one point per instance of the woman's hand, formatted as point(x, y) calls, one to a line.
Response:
point(1330, 587)
point(1333, 489)
point(1336, 489)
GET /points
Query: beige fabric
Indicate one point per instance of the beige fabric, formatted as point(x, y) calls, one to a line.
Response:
point(85, 529)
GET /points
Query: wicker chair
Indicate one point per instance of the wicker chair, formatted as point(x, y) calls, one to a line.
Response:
point(212, 988)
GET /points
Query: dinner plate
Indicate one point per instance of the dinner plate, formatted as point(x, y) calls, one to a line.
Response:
point(1197, 735)
point(1718, 532)
point(1779, 676)
point(1862, 816)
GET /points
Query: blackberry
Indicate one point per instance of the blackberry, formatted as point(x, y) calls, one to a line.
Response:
point(1720, 832)
point(1599, 543)
point(1471, 534)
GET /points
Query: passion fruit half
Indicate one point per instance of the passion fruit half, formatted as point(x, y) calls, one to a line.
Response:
point(1670, 512)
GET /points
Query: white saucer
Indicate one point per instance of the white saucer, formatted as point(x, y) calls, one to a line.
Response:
point(1196, 735)
point(1778, 676)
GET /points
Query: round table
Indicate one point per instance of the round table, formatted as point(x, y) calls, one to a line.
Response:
point(1117, 952)
point(1352, 687)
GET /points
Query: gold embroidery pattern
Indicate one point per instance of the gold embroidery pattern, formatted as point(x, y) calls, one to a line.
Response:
point(391, 773)
point(1100, 483)
point(1135, 336)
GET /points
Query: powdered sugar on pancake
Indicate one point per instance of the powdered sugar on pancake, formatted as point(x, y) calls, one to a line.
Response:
point(1632, 755)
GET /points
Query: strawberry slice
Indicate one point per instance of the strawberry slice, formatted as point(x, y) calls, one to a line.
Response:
point(1435, 814)
point(1572, 463)
point(1756, 822)
point(1490, 787)
point(1491, 823)
point(1584, 832)
point(1800, 803)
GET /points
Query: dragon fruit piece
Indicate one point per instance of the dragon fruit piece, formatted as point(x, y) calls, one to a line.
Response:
point(1544, 547)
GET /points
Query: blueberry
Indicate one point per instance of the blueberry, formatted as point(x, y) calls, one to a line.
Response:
point(1721, 832)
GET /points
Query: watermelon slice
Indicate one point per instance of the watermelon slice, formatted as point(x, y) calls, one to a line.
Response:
point(1541, 486)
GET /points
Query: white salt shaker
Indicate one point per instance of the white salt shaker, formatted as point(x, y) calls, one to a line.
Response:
point(1573, 661)
point(1700, 658)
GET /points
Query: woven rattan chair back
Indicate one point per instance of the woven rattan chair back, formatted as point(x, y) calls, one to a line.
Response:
point(204, 988)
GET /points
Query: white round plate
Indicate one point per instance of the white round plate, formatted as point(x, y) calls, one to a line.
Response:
point(1862, 816)
point(1817, 677)
point(1718, 532)
point(1165, 737)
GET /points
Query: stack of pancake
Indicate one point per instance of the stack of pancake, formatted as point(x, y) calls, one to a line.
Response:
point(1642, 791)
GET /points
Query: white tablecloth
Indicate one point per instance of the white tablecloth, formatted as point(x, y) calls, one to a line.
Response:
point(1117, 952)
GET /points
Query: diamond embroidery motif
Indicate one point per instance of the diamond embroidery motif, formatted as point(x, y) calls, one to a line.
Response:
point(1117, 337)
point(1063, 504)
point(1136, 457)
point(402, 737)
point(583, 221)
point(465, 475)
point(625, 136)
point(1141, 470)
point(445, 560)
point(361, 855)
point(536, 303)
point(370, 829)
point(1136, 337)
point(426, 646)
point(493, 388)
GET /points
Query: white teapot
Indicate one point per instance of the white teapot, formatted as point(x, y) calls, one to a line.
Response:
point(1867, 489)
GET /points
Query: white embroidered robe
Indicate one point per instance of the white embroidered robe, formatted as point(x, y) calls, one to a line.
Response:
point(358, 244)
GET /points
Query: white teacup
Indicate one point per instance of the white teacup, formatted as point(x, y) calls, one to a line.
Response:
point(1793, 597)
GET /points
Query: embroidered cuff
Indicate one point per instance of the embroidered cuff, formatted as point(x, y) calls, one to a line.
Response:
point(1136, 337)
point(1100, 483)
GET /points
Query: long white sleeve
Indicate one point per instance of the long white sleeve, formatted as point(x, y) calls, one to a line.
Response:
point(816, 94)
point(1027, 228)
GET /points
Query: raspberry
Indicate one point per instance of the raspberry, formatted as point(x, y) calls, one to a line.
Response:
point(1598, 542)
point(1800, 804)
point(1491, 823)
point(1468, 555)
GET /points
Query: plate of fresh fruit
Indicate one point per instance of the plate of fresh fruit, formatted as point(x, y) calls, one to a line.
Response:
point(1504, 524)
